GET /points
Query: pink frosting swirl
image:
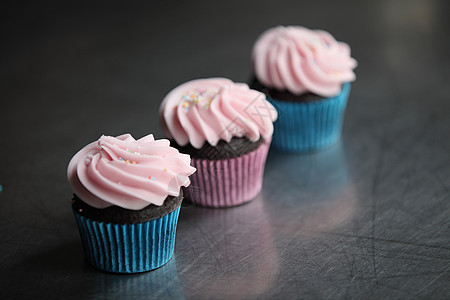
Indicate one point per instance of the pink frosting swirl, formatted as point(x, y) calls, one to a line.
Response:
point(300, 60)
point(216, 109)
point(128, 173)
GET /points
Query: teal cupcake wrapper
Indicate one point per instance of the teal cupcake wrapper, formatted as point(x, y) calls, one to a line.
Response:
point(128, 248)
point(309, 126)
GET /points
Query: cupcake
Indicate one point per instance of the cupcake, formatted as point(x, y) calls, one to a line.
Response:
point(127, 197)
point(306, 75)
point(226, 128)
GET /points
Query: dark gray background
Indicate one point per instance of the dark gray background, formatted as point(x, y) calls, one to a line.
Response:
point(368, 218)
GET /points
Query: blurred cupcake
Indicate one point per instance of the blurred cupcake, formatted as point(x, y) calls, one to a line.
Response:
point(226, 128)
point(127, 200)
point(306, 75)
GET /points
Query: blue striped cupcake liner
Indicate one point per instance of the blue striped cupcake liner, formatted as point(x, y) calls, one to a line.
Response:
point(309, 126)
point(128, 248)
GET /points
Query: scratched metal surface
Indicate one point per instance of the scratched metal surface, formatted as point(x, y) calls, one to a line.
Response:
point(366, 219)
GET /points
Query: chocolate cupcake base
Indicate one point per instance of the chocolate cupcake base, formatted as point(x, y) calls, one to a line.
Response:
point(283, 95)
point(236, 147)
point(119, 215)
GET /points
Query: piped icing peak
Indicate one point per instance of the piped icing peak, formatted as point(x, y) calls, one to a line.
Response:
point(301, 60)
point(128, 173)
point(209, 110)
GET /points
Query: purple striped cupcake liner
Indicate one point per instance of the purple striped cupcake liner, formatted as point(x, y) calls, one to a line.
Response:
point(128, 248)
point(227, 182)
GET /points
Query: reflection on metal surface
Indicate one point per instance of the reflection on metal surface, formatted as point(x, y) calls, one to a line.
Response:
point(162, 282)
point(314, 189)
point(236, 256)
point(325, 216)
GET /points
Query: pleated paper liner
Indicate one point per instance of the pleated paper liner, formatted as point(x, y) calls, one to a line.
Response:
point(128, 248)
point(227, 182)
point(309, 126)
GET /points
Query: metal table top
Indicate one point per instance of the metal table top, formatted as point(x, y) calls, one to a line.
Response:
point(367, 218)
